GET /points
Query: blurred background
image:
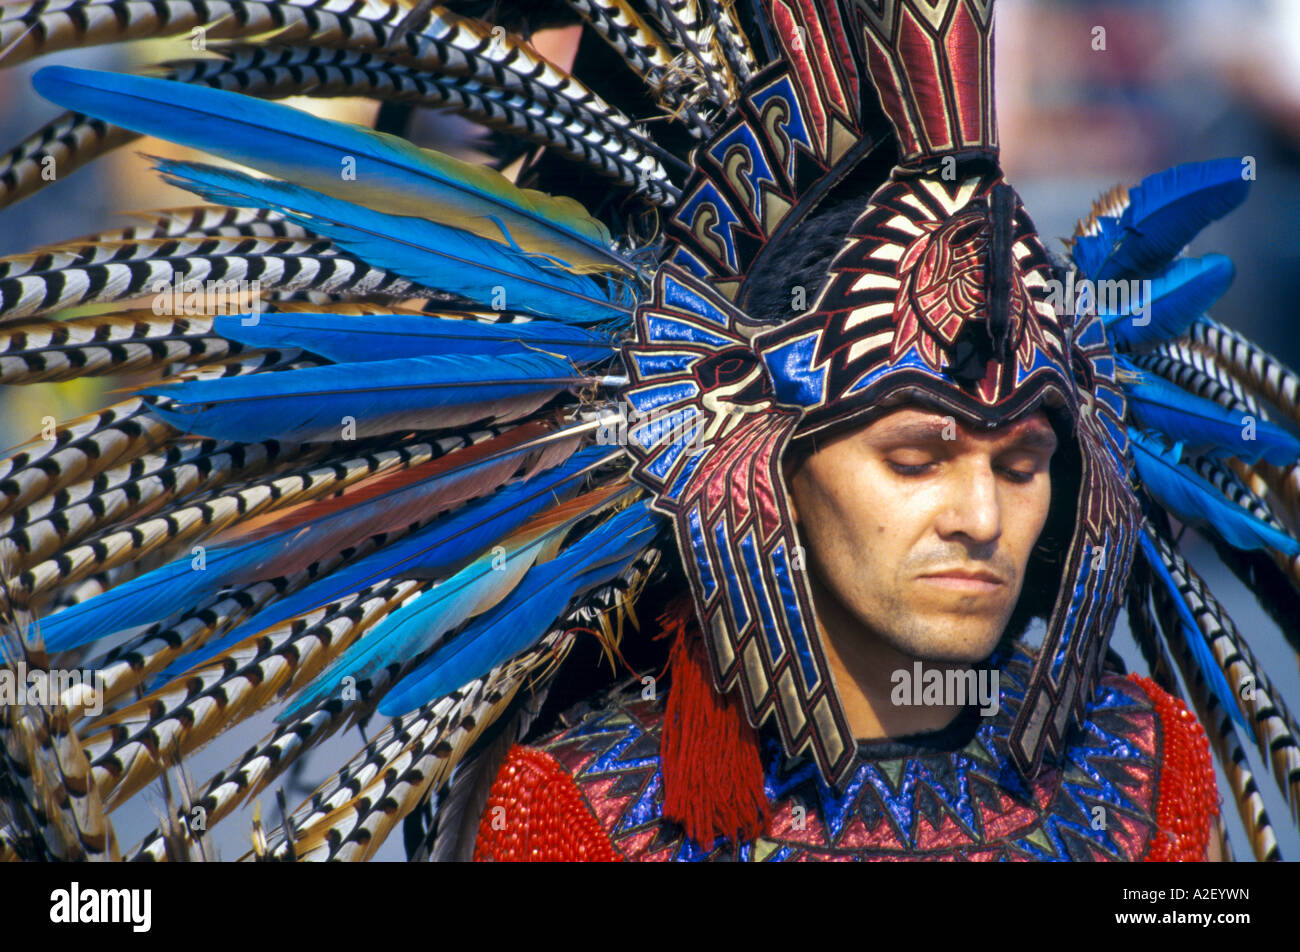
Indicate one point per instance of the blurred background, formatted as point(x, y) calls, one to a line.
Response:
point(1090, 94)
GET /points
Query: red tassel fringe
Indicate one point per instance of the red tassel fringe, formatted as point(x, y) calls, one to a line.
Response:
point(709, 753)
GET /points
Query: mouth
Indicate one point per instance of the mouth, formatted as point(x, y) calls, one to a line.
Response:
point(978, 582)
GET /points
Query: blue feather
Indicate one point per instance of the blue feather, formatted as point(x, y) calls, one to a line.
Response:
point(1174, 299)
point(521, 619)
point(430, 551)
point(307, 404)
point(1201, 653)
point(140, 601)
point(155, 595)
point(1089, 251)
point(346, 338)
point(434, 255)
point(1203, 426)
point(1199, 503)
point(421, 623)
point(392, 174)
point(1163, 214)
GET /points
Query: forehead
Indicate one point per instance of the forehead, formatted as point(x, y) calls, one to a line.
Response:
point(920, 423)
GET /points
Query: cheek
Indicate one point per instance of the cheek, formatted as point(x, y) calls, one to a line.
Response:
point(1030, 508)
point(841, 513)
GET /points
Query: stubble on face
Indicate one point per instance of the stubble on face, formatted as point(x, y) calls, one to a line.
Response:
point(884, 508)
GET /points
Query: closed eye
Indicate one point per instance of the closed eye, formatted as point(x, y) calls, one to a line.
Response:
point(904, 469)
point(1019, 476)
point(918, 469)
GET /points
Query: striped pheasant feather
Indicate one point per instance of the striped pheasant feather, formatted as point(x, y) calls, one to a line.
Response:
point(1252, 365)
point(1220, 728)
point(1273, 724)
point(319, 415)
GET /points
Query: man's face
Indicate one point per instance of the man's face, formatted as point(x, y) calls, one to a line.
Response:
point(887, 511)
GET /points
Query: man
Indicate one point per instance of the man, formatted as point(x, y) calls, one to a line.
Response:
point(929, 582)
point(904, 429)
point(876, 432)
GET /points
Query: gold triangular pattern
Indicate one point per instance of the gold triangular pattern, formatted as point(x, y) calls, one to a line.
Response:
point(775, 208)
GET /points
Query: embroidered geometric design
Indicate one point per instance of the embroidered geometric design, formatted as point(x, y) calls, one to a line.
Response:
point(714, 467)
point(967, 804)
point(914, 47)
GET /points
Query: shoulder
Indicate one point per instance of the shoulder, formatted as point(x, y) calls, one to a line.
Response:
point(570, 795)
point(1133, 722)
point(1186, 798)
point(1136, 768)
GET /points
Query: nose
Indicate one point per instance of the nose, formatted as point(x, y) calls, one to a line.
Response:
point(972, 507)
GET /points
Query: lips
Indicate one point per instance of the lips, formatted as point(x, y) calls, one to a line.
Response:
point(975, 576)
point(965, 580)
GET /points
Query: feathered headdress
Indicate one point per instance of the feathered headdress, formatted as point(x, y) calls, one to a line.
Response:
point(381, 478)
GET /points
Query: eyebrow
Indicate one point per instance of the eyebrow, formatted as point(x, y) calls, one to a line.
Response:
point(931, 430)
point(1038, 437)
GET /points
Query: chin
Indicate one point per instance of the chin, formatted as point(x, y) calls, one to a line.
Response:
point(955, 655)
point(944, 642)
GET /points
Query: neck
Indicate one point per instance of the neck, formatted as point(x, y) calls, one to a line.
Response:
point(864, 668)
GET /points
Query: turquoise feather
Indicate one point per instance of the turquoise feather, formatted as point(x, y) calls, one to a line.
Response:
point(421, 623)
point(528, 612)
